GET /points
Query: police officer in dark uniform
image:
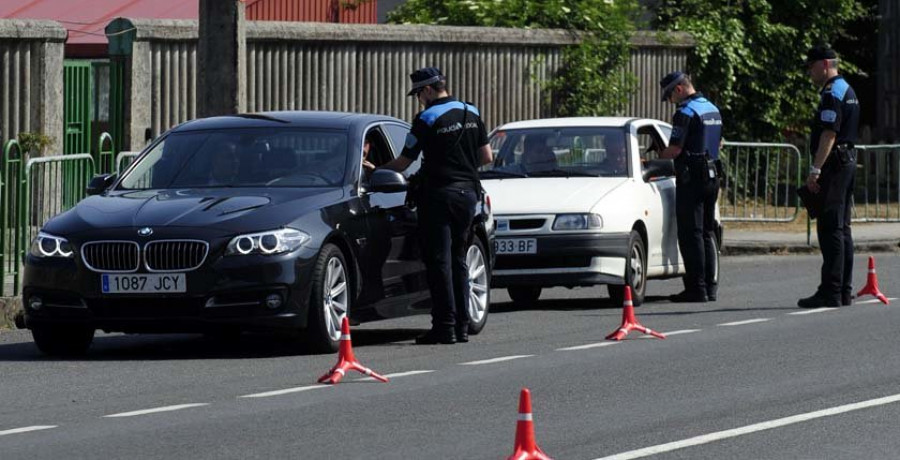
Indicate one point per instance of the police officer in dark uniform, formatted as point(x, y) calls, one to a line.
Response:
point(831, 176)
point(453, 139)
point(694, 144)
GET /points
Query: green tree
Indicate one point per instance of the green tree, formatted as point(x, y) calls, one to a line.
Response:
point(593, 79)
point(750, 54)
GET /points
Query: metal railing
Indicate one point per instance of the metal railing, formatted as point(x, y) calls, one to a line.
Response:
point(876, 196)
point(760, 182)
point(11, 208)
point(106, 154)
point(124, 160)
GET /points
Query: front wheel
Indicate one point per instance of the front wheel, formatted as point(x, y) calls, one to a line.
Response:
point(479, 301)
point(635, 273)
point(330, 300)
point(62, 341)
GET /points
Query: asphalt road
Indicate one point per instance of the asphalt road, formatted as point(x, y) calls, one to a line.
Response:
point(744, 377)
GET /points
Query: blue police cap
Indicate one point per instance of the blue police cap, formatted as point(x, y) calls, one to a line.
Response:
point(424, 77)
point(669, 82)
point(820, 53)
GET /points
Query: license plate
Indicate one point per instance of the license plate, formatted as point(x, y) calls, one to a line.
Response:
point(515, 246)
point(143, 284)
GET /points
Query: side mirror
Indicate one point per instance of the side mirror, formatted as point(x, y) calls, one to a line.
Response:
point(386, 181)
point(658, 168)
point(99, 184)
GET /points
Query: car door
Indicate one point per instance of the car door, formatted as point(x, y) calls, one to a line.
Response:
point(394, 241)
point(659, 198)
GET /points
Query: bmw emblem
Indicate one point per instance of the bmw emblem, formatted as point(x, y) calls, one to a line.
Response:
point(146, 231)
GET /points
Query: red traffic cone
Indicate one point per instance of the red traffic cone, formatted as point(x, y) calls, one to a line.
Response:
point(871, 286)
point(526, 447)
point(629, 322)
point(346, 360)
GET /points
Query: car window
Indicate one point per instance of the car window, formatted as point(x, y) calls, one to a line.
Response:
point(243, 158)
point(666, 131)
point(593, 151)
point(376, 151)
point(397, 133)
point(650, 144)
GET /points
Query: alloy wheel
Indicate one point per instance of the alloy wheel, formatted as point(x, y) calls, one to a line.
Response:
point(335, 296)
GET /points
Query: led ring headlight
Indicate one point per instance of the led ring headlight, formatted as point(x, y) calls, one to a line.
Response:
point(245, 245)
point(268, 243)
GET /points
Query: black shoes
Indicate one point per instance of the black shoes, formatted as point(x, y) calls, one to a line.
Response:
point(462, 334)
point(434, 337)
point(847, 299)
point(688, 297)
point(817, 301)
point(711, 293)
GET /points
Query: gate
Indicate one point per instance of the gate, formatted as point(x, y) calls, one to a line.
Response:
point(11, 207)
point(78, 89)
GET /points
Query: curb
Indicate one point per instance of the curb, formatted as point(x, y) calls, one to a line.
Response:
point(11, 312)
point(758, 248)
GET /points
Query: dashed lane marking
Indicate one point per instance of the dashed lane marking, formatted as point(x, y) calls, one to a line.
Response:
point(587, 346)
point(668, 334)
point(285, 391)
point(156, 410)
point(814, 310)
point(777, 423)
point(398, 374)
point(495, 360)
point(26, 429)
point(748, 321)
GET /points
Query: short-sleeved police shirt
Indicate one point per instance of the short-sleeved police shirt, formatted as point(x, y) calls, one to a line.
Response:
point(434, 133)
point(697, 126)
point(838, 111)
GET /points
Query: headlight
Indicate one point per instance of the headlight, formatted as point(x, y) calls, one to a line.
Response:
point(578, 222)
point(44, 245)
point(273, 242)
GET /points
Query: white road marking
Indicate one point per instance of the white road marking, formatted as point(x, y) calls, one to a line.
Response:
point(495, 360)
point(26, 429)
point(285, 391)
point(398, 374)
point(587, 346)
point(667, 334)
point(872, 301)
point(749, 321)
point(777, 423)
point(814, 310)
point(157, 410)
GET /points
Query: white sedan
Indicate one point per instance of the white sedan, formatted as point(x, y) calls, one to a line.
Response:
point(583, 202)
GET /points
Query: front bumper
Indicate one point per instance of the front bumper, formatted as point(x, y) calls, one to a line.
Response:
point(565, 260)
point(225, 291)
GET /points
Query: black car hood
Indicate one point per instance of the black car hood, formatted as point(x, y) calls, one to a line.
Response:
point(228, 209)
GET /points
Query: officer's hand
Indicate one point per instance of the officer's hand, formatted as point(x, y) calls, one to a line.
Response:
point(812, 183)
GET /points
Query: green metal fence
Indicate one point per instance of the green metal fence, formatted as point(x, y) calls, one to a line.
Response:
point(760, 182)
point(11, 177)
point(876, 196)
point(78, 88)
point(106, 155)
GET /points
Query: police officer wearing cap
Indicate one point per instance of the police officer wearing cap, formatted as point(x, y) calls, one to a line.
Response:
point(831, 176)
point(694, 145)
point(453, 141)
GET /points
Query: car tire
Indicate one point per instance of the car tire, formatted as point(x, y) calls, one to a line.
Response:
point(524, 295)
point(635, 273)
point(479, 301)
point(62, 341)
point(329, 302)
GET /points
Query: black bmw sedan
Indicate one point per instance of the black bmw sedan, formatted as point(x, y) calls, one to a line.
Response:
point(273, 221)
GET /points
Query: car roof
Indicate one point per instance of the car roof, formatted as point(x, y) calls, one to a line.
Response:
point(602, 122)
point(304, 118)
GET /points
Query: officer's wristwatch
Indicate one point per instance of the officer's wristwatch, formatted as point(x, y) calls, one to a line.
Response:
point(815, 171)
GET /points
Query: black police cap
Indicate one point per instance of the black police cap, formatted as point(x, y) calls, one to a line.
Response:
point(424, 77)
point(820, 53)
point(669, 82)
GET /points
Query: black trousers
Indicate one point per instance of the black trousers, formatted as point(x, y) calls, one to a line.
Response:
point(695, 207)
point(833, 226)
point(445, 222)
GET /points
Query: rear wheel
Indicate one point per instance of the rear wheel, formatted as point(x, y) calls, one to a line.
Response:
point(479, 300)
point(524, 295)
point(330, 301)
point(63, 341)
point(635, 272)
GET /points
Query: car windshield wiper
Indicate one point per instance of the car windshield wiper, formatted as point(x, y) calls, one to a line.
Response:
point(501, 173)
point(560, 172)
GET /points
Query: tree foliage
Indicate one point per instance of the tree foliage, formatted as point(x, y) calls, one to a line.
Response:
point(593, 79)
point(750, 57)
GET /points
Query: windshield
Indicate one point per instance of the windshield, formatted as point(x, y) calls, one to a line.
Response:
point(577, 151)
point(242, 158)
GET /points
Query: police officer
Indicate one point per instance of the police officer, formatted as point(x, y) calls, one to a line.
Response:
point(831, 175)
point(694, 144)
point(453, 141)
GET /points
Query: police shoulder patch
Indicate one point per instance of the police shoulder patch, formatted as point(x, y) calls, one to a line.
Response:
point(411, 140)
point(828, 116)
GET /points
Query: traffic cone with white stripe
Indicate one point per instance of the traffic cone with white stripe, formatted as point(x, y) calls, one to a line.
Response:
point(526, 447)
point(871, 286)
point(629, 322)
point(347, 361)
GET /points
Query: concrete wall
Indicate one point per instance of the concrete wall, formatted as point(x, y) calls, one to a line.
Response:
point(316, 66)
point(31, 78)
